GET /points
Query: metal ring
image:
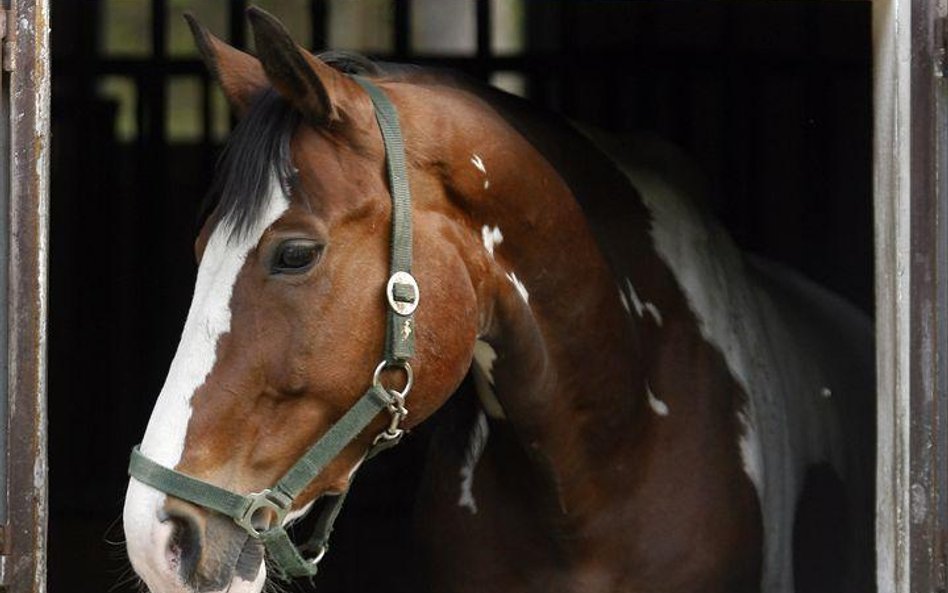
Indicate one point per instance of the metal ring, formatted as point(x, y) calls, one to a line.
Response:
point(402, 307)
point(388, 364)
point(319, 555)
point(266, 499)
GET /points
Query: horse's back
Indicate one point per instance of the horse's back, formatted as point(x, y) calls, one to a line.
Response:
point(804, 358)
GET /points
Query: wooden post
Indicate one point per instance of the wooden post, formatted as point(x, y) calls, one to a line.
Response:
point(25, 222)
point(911, 205)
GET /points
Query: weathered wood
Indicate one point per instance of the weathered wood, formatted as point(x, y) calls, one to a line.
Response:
point(891, 92)
point(25, 568)
point(911, 203)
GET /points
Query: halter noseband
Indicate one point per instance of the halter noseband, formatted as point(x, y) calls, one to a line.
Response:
point(271, 506)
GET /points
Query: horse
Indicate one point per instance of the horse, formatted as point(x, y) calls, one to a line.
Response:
point(654, 410)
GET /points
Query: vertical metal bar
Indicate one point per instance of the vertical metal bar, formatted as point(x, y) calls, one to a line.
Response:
point(157, 85)
point(4, 321)
point(910, 287)
point(402, 28)
point(238, 24)
point(940, 420)
point(567, 76)
point(483, 17)
point(319, 21)
point(891, 93)
point(28, 210)
point(928, 275)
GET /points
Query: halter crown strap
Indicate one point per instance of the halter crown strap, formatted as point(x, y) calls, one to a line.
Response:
point(271, 506)
point(402, 290)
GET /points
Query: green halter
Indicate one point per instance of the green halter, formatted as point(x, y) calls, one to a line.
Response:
point(272, 504)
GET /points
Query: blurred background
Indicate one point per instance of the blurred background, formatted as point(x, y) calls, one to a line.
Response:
point(772, 100)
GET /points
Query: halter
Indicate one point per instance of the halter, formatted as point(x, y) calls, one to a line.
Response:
point(270, 506)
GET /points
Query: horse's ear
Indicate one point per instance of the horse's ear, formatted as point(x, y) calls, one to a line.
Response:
point(313, 87)
point(239, 75)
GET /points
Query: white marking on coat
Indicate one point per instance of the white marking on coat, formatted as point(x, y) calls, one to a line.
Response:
point(208, 319)
point(625, 301)
point(826, 392)
point(484, 357)
point(519, 286)
point(478, 162)
point(477, 441)
point(657, 405)
point(292, 516)
point(640, 306)
point(483, 369)
point(782, 431)
point(486, 183)
point(654, 312)
point(492, 237)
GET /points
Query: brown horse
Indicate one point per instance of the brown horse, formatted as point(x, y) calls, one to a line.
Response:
point(656, 412)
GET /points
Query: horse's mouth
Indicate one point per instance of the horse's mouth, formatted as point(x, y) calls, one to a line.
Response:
point(228, 554)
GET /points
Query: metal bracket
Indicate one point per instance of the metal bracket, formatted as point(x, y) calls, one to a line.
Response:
point(7, 38)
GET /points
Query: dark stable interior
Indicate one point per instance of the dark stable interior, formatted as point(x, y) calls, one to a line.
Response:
point(771, 99)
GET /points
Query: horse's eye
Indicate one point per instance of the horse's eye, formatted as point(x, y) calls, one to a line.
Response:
point(295, 256)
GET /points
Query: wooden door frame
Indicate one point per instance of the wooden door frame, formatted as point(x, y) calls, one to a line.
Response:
point(911, 258)
point(25, 220)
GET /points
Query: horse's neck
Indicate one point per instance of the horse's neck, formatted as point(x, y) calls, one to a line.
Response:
point(566, 364)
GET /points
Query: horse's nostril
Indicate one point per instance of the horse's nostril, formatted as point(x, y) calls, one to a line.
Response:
point(184, 545)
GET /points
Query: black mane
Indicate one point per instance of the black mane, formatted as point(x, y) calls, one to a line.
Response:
point(258, 148)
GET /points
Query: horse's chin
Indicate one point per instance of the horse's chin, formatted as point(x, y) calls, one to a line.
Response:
point(237, 585)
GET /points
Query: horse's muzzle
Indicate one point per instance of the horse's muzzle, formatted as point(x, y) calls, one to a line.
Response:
point(182, 548)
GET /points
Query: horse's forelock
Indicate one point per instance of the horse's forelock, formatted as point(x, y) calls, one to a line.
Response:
point(259, 148)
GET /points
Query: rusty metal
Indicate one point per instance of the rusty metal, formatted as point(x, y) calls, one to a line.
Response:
point(26, 290)
point(928, 299)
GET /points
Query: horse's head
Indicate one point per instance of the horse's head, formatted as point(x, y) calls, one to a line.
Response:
point(288, 318)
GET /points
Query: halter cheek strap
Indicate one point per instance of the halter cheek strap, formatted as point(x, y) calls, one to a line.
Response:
point(262, 514)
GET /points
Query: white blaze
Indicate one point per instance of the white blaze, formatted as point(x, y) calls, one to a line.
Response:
point(208, 319)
